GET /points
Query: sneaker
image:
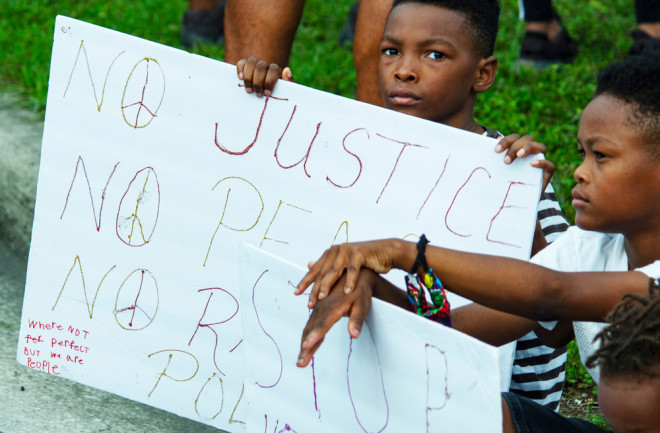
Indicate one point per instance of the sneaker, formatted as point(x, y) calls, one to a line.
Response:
point(538, 51)
point(348, 31)
point(203, 26)
point(643, 43)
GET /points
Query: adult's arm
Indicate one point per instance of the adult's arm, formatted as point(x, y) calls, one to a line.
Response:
point(369, 28)
point(264, 29)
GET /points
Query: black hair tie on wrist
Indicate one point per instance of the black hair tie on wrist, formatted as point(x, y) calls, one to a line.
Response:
point(654, 285)
point(421, 255)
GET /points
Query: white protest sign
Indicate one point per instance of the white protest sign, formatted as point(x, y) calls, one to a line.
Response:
point(156, 164)
point(403, 374)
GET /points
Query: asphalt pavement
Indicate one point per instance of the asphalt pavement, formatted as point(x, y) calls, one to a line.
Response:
point(31, 401)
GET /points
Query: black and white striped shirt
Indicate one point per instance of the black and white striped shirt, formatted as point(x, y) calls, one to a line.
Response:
point(538, 370)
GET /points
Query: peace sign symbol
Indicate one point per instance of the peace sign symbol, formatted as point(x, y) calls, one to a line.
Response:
point(139, 207)
point(137, 301)
point(143, 93)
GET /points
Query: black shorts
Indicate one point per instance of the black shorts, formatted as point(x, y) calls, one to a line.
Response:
point(530, 417)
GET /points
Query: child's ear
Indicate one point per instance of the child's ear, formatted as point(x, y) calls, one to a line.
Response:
point(486, 70)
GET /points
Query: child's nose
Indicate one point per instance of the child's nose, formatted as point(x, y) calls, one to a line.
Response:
point(581, 174)
point(406, 71)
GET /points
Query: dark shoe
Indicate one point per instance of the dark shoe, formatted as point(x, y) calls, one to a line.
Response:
point(348, 32)
point(203, 26)
point(538, 51)
point(643, 43)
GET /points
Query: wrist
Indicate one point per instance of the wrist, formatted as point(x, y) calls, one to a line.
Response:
point(404, 254)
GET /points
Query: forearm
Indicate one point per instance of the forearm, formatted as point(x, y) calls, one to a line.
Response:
point(560, 336)
point(483, 323)
point(539, 242)
point(522, 288)
point(388, 292)
point(490, 326)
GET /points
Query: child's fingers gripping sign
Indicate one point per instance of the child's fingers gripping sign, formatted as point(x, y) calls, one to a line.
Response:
point(548, 170)
point(520, 147)
point(260, 77)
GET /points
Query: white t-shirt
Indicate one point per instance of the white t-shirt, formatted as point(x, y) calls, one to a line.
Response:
point(578, 250)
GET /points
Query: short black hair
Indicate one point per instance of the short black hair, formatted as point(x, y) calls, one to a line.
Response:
point(482, 17)
point(630, 344)
point(636, 81)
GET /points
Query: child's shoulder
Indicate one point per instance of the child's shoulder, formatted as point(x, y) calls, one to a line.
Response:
point(581, 250)
point(586, 240)
point(589, 237)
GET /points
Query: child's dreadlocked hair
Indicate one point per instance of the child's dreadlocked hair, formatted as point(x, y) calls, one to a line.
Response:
point(630, 345)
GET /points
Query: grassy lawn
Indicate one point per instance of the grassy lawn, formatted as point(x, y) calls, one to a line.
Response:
point(545, 104)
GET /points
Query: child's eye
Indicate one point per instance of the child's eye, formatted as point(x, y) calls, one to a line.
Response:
point(599, 155)
point(390, 51)
point(436, 55)
point(581, 153)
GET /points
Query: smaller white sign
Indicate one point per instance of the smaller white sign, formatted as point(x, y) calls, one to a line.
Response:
point(404, 373)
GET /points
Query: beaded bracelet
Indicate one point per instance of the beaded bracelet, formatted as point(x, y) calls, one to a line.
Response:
point(440, 310)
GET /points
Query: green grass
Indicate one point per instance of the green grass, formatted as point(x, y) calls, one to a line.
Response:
point(546, 104)
point(577, 377)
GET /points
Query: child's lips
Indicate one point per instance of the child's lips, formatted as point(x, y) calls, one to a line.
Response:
point(403, 97)
point(579, 199)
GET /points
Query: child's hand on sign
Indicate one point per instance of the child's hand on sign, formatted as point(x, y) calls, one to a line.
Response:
point(520, 147)
point(355, 305)
point(346, 259)
point(260, 77)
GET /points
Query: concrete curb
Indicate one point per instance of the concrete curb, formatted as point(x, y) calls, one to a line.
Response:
point(21, 132)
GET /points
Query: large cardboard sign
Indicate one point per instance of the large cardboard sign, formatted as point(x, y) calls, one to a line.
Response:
point(403, 374)
point(156, 165)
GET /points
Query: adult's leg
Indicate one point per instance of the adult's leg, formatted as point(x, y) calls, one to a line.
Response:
point(540, 16)
point(202, 22)
point(647, 35)
point(369, 28)
point(545, 41)
point(536, 10)
point(264, 29)
point(195, 5)
point(647, 13)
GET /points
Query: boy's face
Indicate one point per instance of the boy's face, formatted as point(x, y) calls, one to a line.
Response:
point(618, 182)
point(630, 407)
point(427, 66)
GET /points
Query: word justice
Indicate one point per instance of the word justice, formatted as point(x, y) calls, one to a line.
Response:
point(392, 167)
